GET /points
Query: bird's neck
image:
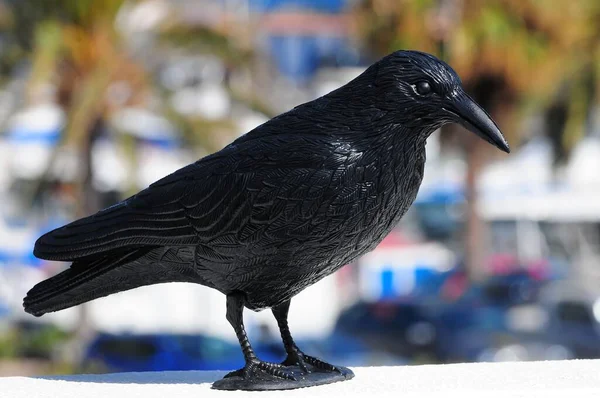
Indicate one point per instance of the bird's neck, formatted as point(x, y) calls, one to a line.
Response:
point(375, 134)
point(401, 152)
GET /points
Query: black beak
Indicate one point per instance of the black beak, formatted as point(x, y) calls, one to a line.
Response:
point(468, 113)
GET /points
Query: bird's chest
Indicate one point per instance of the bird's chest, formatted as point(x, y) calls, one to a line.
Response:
point(374, 199)
point(335, 215)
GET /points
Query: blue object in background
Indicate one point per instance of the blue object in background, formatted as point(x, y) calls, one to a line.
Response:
point(166, 143)
point(49, 137)
point(4, 310)
point(159, 352)
point(296, 57)
point(433, 208)
point(24, 258)
point(322, 6)
point(387, 284)
point(427, 281)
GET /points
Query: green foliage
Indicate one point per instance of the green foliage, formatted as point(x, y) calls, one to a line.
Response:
point(199, 40)
point(31, 341)
point(8, 345)
point(22, 21)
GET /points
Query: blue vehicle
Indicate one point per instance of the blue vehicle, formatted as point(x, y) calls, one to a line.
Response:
point(159, 352)
point(440, 329)
point(401, 328)
point(573, 317)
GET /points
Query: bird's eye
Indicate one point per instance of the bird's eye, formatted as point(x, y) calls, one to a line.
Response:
point(423, 88)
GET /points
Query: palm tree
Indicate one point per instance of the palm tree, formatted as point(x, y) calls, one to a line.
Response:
point(73, 45)
point(76, 46)
point(515, 56)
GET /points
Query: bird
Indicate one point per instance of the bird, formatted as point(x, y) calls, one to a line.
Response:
point(276, 210)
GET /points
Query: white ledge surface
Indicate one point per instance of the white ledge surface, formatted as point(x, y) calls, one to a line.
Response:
point(580, 378)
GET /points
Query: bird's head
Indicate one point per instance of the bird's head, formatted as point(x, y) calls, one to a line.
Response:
point(423, 92)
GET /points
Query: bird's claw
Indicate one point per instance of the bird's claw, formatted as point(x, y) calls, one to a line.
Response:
point(296, 358)
point(256, 365)
point(300, 359)
point(317, 363)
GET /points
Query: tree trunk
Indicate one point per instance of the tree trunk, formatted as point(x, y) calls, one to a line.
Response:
point(88, 203)
point(475, 229)
point(492, 93)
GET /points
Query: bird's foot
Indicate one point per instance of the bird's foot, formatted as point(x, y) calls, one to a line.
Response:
point(259, 376)
point(256, 368)
point(298, 358)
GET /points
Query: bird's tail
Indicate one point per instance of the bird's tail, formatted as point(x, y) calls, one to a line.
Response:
point(85, 280)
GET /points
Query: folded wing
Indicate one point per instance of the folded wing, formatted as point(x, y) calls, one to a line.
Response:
point(163, 214)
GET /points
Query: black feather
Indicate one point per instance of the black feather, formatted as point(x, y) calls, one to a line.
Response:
point(94, 277)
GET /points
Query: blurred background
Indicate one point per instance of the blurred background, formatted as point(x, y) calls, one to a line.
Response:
point(498, 259)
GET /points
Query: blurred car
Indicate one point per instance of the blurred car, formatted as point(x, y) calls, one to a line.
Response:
point(158, 352)
point(341, 349)
point(467, 325)
point(514, 288)
point(494, 333)
point(573, 317)
point(400, 328)
point(485, 318)
point(563, 324)
point(506, 289)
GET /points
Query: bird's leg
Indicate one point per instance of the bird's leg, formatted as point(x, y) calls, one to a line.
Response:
point(235, 308)
point(294, 355)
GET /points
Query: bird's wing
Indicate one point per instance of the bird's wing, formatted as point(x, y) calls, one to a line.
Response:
point(155, 216)
point(222, 199)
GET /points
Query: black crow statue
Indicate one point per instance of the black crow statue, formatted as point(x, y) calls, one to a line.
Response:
point(275, 211)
